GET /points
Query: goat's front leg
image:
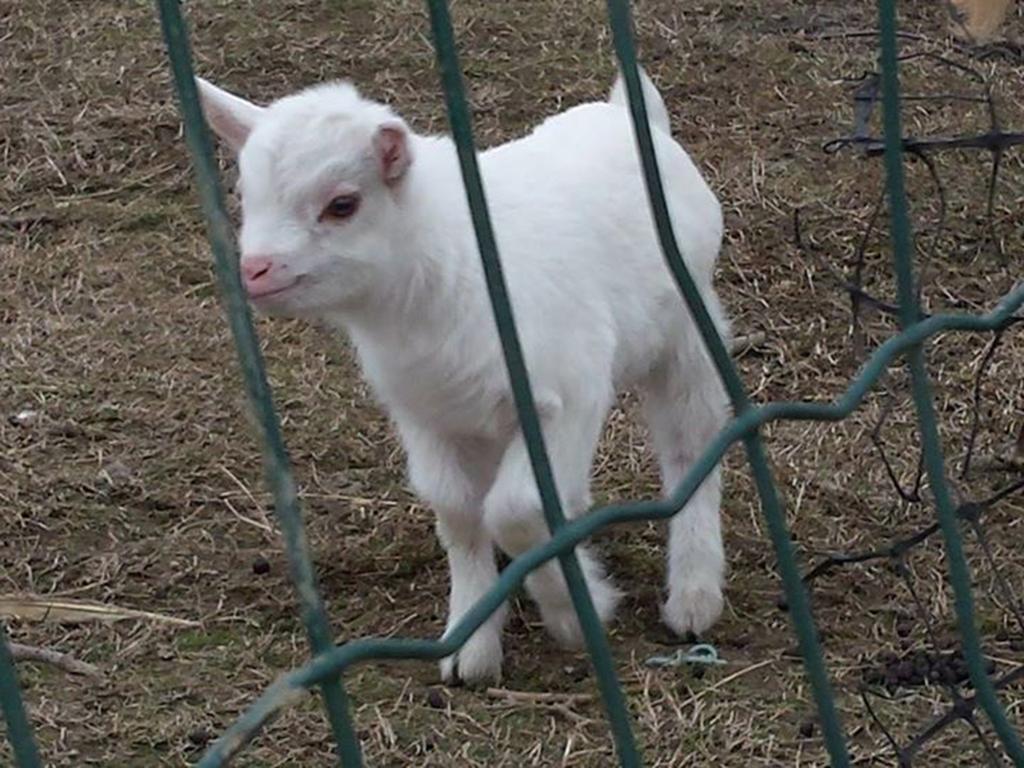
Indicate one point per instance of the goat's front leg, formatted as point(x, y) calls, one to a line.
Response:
point(452, 480)
point(473, 572)
point(514, 517)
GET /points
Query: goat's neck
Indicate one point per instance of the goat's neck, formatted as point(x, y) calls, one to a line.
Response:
point(437, 273)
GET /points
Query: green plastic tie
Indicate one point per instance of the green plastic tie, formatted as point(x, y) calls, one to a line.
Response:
point(702, 654)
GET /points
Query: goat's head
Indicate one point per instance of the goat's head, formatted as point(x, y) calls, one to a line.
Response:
point(320, 177)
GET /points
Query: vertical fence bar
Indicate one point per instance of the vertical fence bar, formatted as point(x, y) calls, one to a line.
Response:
point(19, 731)
point(799, 606)
point(462, 133)
point(277, 467)
point(902, 245)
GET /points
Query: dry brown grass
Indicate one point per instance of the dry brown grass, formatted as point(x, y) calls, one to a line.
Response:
point(139, 483)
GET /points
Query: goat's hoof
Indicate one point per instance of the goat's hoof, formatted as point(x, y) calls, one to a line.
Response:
point(562, 623)
point(693, 608)
point(475, 663)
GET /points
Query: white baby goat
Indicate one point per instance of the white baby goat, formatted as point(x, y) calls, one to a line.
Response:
point(352, 219)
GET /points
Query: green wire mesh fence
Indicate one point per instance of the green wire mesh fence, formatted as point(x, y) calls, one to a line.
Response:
point(329, 662)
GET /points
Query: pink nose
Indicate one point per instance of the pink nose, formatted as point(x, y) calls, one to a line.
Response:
point(256, 270)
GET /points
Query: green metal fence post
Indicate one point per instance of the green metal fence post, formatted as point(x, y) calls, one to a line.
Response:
point(593, 632)
point(277, 468)
point(19, 731)
point(799, 606)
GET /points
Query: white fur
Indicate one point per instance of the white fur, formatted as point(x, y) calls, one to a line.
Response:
point(595, 306)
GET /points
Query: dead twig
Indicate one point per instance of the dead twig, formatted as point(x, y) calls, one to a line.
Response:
point(533, 697)
point(741, 344)
point(54, 658)
point(31, 608)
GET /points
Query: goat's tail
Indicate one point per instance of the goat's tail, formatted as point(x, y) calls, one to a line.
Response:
point(656, 112)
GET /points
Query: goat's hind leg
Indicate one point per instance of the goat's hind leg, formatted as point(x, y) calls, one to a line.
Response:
point(685, 406)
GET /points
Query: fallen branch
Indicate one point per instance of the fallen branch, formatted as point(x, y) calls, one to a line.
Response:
point(63, 661)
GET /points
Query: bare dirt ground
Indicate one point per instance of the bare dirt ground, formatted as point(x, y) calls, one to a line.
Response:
point(138, 482)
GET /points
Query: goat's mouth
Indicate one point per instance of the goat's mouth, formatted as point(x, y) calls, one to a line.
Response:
point(272, 293)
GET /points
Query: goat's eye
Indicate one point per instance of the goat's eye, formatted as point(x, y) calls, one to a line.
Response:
point(341, 207)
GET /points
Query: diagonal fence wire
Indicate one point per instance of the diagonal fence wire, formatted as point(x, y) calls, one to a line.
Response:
point(329, 661)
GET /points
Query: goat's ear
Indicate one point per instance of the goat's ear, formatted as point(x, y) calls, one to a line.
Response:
point(231, 117)
point(391, 146)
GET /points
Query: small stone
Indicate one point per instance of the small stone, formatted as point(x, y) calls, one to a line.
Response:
point(23, 418)
point(959, 671)
point(575, 672)
point(905, 671)
point(67, 429)
point(874, 677)
point(904, 627)
point(115, 473)
point(260, 565)
point(922, 664)
point(200, 737)
point(782, 603)
point(807, 728)
point(436, 699)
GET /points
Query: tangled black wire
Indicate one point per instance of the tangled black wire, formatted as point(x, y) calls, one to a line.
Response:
point(936, 666)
